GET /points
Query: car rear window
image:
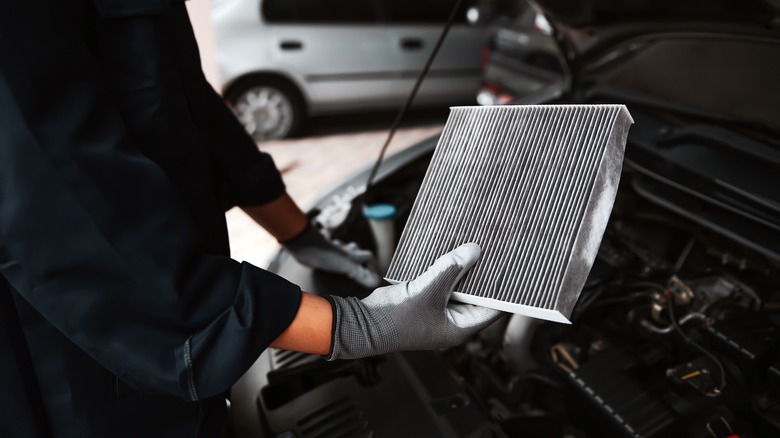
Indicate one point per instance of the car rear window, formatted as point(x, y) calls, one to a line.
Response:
point(318, 11)
point(420, 11)
point(361, 11)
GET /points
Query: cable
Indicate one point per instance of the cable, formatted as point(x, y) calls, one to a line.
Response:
point(587, 301)
point(627, 298)
point(645, 285)
point(668, 329)
point(726, 423)
point(704, 351)
point(410, 98)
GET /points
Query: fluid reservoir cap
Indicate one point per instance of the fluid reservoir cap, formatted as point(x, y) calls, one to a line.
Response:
point(379, 212)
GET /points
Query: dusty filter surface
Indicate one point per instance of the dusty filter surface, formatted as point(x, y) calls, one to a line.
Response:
point(534, 187)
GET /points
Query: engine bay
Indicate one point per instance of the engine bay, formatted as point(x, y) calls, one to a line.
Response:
point(676, 333)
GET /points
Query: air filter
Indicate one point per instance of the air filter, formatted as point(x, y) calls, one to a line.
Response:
point(534, 187)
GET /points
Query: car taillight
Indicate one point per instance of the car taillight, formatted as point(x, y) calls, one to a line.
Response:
point(493, 88)
point(485, 55)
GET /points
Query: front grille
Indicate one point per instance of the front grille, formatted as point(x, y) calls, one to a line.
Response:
point(290, 359)
point(534, 187)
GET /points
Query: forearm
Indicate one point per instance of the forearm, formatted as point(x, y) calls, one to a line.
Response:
point(280, 217)
point(310, 331)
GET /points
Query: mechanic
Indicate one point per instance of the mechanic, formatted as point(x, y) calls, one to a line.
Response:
point(121, 313)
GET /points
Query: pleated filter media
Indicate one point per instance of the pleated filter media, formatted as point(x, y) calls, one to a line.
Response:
point(534, 187)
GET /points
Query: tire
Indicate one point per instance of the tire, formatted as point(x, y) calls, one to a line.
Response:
point(268, 108)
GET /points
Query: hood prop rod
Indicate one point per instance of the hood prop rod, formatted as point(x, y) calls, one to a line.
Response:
point(405, 108)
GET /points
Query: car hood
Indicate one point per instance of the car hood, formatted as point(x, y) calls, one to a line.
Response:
point(590, 27)
point(721, 57)
point(701, 80)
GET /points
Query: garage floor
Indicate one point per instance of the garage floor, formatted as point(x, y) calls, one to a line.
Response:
point(310, 166)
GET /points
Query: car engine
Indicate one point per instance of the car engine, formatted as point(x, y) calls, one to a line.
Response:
point(676, 333)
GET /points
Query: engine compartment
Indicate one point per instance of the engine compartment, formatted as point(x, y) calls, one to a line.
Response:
point(676, 333)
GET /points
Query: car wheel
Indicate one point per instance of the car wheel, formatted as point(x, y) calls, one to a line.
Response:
point(268, 109)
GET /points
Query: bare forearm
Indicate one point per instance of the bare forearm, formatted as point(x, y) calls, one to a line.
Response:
point(280, 217)
point(310, 331)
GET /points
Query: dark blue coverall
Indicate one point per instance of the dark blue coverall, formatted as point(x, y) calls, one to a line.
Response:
point(120, 312)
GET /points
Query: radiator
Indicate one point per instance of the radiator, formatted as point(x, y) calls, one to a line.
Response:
point(534, 186)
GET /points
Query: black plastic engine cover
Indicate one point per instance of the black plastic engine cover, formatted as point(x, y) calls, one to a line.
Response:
point(749, 340)
point(602, 397)
point(389, 396)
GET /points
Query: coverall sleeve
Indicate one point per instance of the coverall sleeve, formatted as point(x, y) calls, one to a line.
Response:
point(249, 177)
point(95, 238)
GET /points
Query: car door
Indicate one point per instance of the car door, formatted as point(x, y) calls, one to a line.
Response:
point(336, 49)
point(415, 26)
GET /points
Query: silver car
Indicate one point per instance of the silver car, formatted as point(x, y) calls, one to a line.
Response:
point(283, 60)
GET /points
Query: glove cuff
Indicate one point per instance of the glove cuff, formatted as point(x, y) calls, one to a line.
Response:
point(359, 331)
point(334, 324)
point(300, 238)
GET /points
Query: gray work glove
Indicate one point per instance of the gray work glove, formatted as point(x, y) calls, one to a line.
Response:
point(414, 315)
point(311, 248)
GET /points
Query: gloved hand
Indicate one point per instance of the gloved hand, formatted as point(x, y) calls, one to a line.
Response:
point(414, 315)
point(313, 249)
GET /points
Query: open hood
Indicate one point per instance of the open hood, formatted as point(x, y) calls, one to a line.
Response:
point(702, 79)
point(592, 26)
point(717, 57)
